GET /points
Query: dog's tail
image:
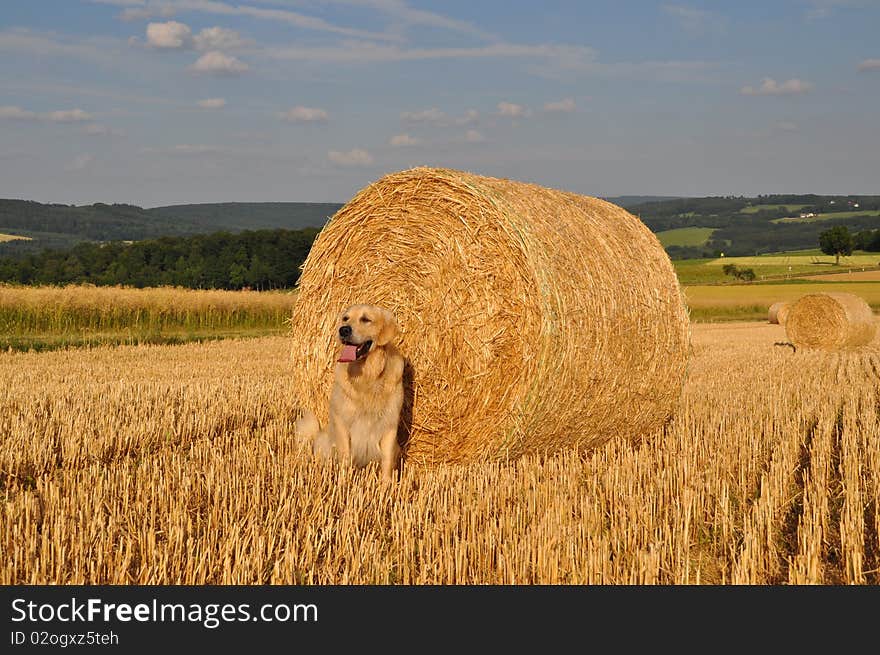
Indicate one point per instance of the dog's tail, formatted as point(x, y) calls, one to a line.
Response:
point(307, 427)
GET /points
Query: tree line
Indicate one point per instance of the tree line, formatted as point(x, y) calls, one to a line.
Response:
point(867, 240)
point(258, 259)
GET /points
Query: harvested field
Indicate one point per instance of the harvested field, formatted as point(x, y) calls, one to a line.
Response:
point(175, 464)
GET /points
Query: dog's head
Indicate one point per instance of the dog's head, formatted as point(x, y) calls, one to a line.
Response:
point(361, 328)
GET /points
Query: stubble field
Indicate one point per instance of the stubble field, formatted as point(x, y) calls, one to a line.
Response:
point(177, 464)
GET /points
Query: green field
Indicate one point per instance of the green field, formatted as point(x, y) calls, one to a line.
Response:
point(825, 217)
point(685, 236)
point(794, 264)
point(711, 303)
point(754, 209)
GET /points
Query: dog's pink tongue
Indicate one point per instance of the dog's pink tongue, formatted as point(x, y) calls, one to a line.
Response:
point(348, 354)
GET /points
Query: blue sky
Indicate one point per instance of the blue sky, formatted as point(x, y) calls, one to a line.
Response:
point(159, 102)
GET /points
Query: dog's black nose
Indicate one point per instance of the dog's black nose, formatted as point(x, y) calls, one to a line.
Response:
point(345, 331)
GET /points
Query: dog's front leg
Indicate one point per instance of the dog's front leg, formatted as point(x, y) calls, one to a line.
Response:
point(341, 440)
point(390, 454)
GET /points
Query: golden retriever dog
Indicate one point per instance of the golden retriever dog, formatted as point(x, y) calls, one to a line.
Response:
point(367, 394)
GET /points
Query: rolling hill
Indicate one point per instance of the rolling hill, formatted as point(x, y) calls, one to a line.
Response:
point(62, 226)
point(238, 216)
point(751, 226)
point(691, 227)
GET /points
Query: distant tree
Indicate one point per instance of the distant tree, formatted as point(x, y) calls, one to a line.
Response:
point(237, 275)
point(836, 241)
point(862, 239)
point(745, 274)
point(867, 240)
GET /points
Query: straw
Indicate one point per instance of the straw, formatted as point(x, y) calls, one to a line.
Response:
point(830, 321)
point(532, 319)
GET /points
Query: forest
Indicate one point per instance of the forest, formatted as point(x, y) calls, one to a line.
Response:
point(256, 259)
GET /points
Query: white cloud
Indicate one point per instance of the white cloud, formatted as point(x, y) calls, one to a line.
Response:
point(57, 116)
point(212, 103)
point(96, 129)
point(787, 126)
point(403, 14)
point(404, 140)
point(166, 8)
point(439, 118)
point(354, 157)
point(178, 36)
point(869, 65)
point(17, 113)
point(472, 136)
point(549, 60)
point(80, 162)
point(300, 114)
point(470, 116)
point(218, 38)
point(67, 116)
point(400, 13)
point(571, 57)
point(561, 106)
point(217, 63)
point(512, 110)
point(432, 115)
point(770, 87)
point(171, 35)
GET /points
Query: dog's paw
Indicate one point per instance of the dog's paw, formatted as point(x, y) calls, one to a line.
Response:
point(307, 426)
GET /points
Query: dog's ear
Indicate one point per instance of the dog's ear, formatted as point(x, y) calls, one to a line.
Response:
point(389, 328)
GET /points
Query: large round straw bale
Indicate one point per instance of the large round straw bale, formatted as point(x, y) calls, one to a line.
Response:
point(531, 318)
point(828, 321)
point(778, 312)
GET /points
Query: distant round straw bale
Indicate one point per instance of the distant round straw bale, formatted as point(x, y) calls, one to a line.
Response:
point(829, 321)
point(532, 319)
point(778, 312)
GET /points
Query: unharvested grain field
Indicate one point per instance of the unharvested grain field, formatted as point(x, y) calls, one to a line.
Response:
point(48, 317)
point(12, 237)
point(176, 464)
